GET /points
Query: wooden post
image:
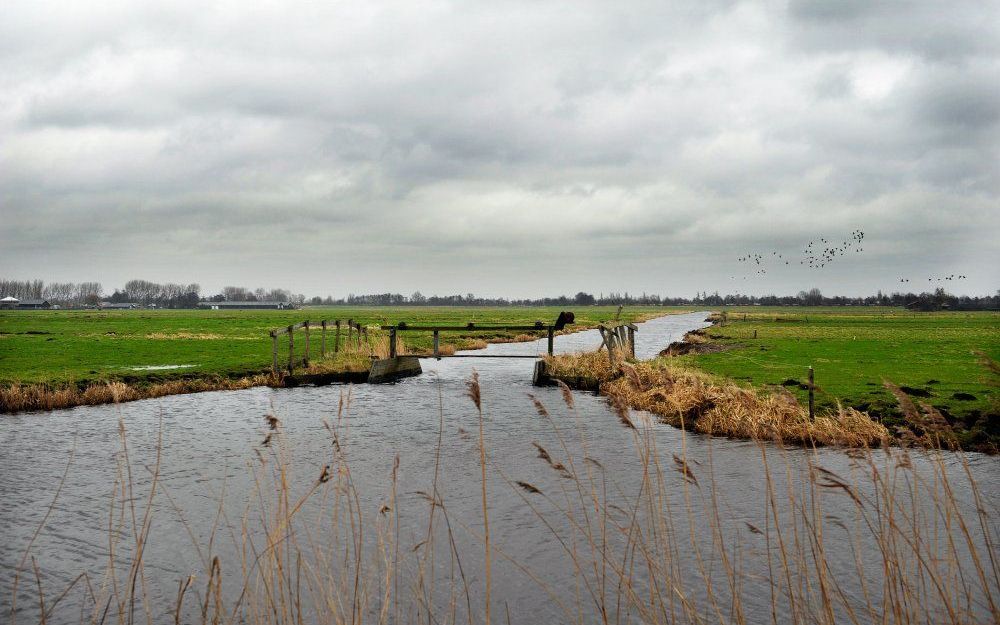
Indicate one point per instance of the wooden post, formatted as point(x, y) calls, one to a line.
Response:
point(336, 339)
point(392, 342)
point(811, 406)
point(322, 343)
point(552, 344)
point(631, 341)
point(350, 329)
point(437, 343)
point(305, 359)
point(291, 349)
point(274, 353)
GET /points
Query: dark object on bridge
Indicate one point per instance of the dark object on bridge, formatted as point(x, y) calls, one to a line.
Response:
point(565, 318)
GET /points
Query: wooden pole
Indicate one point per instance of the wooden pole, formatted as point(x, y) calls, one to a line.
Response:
point(305, 359)
point(291, 349)
point(631, 341)
point(392, 343)
point(437, 342)
point(322, 343)
point(336, 339)
point(811, 386)
point(274, 353)
point(552, 341)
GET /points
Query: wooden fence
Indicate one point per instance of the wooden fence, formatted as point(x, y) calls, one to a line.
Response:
point(353, 339)
point(618, 337)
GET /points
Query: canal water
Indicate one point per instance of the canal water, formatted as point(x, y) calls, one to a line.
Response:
point(425, 429)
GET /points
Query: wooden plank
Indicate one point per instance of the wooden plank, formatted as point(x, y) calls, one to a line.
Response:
point(536, 356)
point(392, 343)
point(279, 331)
point(305, 358)
point(552, 343)
point(465, 328)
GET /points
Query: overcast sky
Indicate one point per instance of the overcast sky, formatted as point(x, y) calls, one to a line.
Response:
point(502, 148)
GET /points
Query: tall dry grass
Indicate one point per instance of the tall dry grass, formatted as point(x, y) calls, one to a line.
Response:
point(309, 551)
point(25, 397)
point(701, 403)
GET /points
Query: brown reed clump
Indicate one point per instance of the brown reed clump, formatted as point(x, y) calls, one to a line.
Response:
point(693, 400)
point(27, 397)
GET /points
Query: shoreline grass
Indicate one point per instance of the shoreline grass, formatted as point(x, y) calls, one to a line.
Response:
point(699, 402)
point(51, 357)
point(942, 359)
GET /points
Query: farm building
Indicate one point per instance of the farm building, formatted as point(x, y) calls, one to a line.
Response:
point(9, 302)
point(119, 305)
point(246, 305)
point(33, 304)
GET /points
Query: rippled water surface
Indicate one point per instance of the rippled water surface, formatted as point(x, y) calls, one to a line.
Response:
point(208, 443)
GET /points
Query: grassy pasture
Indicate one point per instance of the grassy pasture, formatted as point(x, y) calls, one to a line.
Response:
point(934, 356)
point(56, 347)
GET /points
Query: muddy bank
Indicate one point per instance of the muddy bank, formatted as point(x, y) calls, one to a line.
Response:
point(696, 342)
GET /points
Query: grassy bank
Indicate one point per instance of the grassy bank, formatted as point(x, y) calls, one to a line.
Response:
point(51, 359)
point(699, 402)
point(940, 359)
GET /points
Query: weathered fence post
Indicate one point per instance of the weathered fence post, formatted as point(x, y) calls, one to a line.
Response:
point(437, 342)
point(291, 349)
point(322, 343)
point(552, 338)
point(392, 342)
point(350, 329)
point(305, 359)
point(336, 339)
point(811, 386)
point(631, 341)
point(274, 352)
point(360, 329)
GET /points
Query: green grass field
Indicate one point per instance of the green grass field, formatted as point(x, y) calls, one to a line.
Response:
point(852, 350)
point(56, 347)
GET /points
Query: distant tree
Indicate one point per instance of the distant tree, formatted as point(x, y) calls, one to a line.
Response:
point(584, 299)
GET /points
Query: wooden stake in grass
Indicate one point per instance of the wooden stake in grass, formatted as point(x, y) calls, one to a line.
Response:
point(812, 415)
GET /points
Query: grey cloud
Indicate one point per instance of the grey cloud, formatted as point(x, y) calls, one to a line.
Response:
point(458, 146)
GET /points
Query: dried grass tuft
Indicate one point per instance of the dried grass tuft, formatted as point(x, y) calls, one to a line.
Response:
point(686, 398)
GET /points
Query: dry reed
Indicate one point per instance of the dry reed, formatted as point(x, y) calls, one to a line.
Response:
point(686, 398)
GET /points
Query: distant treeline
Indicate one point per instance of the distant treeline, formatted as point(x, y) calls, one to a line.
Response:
point(170, 295)
point(141, 292)
point(937, 300)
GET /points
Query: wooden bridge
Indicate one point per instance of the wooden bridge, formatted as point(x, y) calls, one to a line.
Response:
point(614, 336)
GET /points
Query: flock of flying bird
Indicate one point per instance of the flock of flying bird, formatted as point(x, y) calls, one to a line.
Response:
point(945, 278)
point(818, 254)
point(814, 257)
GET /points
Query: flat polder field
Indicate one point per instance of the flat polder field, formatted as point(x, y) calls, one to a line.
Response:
point(945, 359)
point(941, 358)
point(79, 347)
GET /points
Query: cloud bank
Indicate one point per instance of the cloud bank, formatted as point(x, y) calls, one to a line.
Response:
point(513, 149)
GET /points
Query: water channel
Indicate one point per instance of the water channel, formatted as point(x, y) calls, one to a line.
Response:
point(210, 445)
